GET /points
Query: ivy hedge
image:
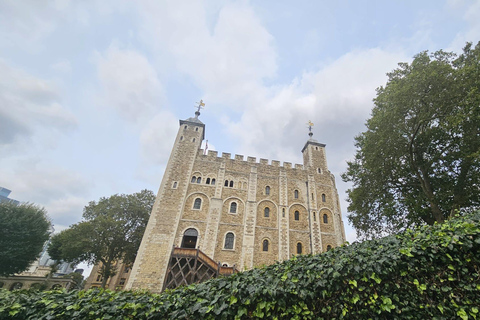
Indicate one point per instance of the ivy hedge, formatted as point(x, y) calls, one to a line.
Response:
point(432, 272)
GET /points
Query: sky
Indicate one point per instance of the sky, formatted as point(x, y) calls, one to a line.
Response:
point(91, 91)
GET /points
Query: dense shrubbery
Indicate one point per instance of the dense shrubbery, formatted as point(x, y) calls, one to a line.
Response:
point(431, 272)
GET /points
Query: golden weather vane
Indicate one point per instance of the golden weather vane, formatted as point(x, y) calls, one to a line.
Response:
point(309, 125)
point(200, 105)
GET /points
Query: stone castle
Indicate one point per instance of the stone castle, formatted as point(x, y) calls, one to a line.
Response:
point(240, 213)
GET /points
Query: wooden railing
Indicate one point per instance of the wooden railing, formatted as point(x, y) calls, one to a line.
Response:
point(189, 252)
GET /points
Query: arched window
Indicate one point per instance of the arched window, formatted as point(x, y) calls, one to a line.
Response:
point(266, 212)
point(283, 212)
point(325, 218)
point(196, 129)
point(225, 265)
point(175, 185)
point(181, 138)
point(296, 194)
point(194, 179)
point(231, 184)
point(197, 204)
point(329, 247)
point(193, 140)
point(267, 190)
point(226, 183)
point(265, 245)
point(233, 207)
point(319, 170)
point(213, 181)
point(229, 239)
point(299, 248)
point(199, 179)
point(208, 181)
point(324, 198)
point(297, 215)
point(314, 217)
point(185, 128)
point(189, 239)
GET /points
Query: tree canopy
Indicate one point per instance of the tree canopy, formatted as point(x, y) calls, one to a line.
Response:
point(111, 230)
point(419, 159)
point(24, 228)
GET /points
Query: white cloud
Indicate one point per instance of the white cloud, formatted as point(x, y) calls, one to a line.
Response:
point(157, 138)
point(227, 61)
point(472, 33)
point(28, 104)
point(62, 66)
point(129, 84)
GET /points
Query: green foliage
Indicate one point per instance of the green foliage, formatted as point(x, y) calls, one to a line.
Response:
point(112, 230)
point(419, 160)
point(24, 228)
point(432, 272)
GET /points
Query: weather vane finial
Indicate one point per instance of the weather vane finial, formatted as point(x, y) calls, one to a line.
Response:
point(310, 125)
point(200, 105)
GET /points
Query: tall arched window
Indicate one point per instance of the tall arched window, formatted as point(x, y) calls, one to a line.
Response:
point(226, 183)
point(194, 179)
point(175, 185)
point(325, 218)
point(197, 204)
point(314, 217)
point(233, 207)
point(193, 140)
point(299, 248)
point(297, 215)
point(283, 212)
point(265, 245)
point(267, 190)
point(208, 181)
point(266, 212)
point(231, 184)
point(189, 239)
point(296, 194)
point(324, 198)
point(329, 247)
point(199, 179)
point(213, 181)
point(229, 239)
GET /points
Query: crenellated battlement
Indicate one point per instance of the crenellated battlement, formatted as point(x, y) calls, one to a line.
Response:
point(213, 156)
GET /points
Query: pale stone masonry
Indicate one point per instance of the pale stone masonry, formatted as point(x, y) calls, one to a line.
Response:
point(238, 212)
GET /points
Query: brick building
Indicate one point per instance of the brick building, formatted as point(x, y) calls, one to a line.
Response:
point(238, 212)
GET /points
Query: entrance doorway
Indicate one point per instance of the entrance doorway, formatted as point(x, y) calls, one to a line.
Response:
point(190, 238)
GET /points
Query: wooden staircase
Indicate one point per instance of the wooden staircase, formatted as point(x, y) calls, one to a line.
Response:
point(189, 266)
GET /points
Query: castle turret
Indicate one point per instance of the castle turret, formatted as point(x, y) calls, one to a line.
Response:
point(153, 255)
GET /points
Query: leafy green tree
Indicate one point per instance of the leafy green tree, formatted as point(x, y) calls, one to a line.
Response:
point(24, 228)
point(111, 231)
point(419, 159)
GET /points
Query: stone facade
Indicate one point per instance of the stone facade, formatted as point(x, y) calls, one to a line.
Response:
point(116, 282)
point(238, 211)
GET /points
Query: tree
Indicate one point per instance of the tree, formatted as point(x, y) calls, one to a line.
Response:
point(24, 228)
point(418, 161)
point(111, 231)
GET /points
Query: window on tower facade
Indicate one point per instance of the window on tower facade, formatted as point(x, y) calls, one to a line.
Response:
point(267, 190)
point(197, 204)
point(207, 181)
point(324, 198)
point(233, 207)
point(213, 181)
point(226, 183)
point(329, 247)
point(231, 184)
point(296, 194)
point(193, 140)
point(229, 239)
point(325, 218)
point(194, 179)
point(265, 245)
point(297, 215)
point(299, 248)
point(199, 179)
point(266, 212)
point(196, 129)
